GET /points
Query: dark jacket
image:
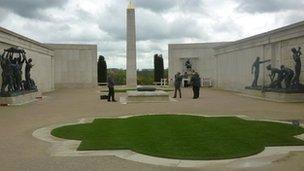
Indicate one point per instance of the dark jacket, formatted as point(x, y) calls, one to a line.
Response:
point(110, 82)
point(196, 80)
point(178, 80)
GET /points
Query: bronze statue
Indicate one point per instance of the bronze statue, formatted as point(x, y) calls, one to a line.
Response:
point(287, 75)
point(188, 65)
point(297, 58)
point(275, 72)
point(256, 68)
point(29, 83)
point(12, 72)
point(7, 73)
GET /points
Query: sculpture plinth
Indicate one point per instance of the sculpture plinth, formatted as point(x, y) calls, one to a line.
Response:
point(20, 98)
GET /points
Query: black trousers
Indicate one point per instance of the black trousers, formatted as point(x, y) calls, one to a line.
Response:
point(196, 92)
point(175, 92)
point(111, 94)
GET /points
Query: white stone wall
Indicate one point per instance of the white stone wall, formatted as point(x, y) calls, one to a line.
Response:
point(201, 53)
point(75, 65)
point(234, 60)
point(42, 72)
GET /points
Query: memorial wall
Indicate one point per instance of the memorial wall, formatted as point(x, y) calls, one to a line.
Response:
point(200, 56)
point(75, 65)
point(229, 64)
point(234, 61)
point(55, 65)
point(43, 58)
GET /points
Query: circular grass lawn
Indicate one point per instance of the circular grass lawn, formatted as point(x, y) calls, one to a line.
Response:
point(182, 136)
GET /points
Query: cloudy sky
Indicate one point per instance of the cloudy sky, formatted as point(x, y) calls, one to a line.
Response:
point(159, 22)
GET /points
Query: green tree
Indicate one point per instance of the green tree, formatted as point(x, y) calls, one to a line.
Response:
point(158, 68)
point(119, 76)
point(102, 70)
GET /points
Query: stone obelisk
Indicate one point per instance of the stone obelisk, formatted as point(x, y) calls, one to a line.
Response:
point(131, 47)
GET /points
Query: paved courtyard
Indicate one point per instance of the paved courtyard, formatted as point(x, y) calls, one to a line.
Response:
point(21, 151)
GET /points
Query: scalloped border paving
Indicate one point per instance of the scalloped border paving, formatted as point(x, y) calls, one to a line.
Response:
point(68, 148)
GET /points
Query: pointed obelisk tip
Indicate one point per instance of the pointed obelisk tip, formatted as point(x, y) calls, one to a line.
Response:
point(130, 5)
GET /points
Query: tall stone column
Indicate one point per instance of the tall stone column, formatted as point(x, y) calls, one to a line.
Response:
point(131, 48)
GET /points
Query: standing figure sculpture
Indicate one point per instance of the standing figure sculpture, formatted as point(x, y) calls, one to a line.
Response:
point(7, 73)
point(287, 75)
point(256, 68)
point(29, 83)
point(297, 58)
point(18, 72)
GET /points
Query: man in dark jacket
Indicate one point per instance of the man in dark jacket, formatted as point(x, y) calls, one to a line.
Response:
point(196, 84)
point(177, 84)
point(111, 89)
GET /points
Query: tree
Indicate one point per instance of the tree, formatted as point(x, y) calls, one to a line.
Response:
point(158, 68)
point(102, 69)
point(145, 77)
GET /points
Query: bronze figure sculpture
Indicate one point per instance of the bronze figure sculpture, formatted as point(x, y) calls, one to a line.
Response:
point(11, 65)
point(256, 68)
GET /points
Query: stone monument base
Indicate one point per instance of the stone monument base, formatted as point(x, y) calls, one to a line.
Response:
point(276, 96)
point(22, 98)
point(147, 96)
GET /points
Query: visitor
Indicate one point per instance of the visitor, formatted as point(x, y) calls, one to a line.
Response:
point(111, 88)
point(196, 85)
point(186, 83)
point(177, 84)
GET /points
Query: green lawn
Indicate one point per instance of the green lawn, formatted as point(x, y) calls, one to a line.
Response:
point(181, 136)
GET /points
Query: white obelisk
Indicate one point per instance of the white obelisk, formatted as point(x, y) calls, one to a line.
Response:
point(131, 79)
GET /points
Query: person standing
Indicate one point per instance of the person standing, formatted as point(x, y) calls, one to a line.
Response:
point(111, 89)
point(177, 84)
point(196, 85)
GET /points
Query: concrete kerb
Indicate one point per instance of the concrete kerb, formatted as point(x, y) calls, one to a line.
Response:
point(68, 148)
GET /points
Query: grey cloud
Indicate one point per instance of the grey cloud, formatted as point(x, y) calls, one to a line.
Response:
point(293, 17)
point(3, 14)
point(150, 25)
point(156, 5)
point(158, 28)
point(163, 5)
point(268, 6)
point(30, 8)
point(227, 26)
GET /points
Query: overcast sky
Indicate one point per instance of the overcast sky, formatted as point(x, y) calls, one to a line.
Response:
point(158, 22)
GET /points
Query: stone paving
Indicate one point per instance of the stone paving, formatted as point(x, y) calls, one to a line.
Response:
point(21, 151)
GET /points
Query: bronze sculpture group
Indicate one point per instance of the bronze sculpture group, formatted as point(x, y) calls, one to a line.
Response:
point(12, 61)
point(278, 76)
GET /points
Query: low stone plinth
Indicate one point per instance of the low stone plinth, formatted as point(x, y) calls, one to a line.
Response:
point(21, 99)
point(147, 96)
point(275, 96)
